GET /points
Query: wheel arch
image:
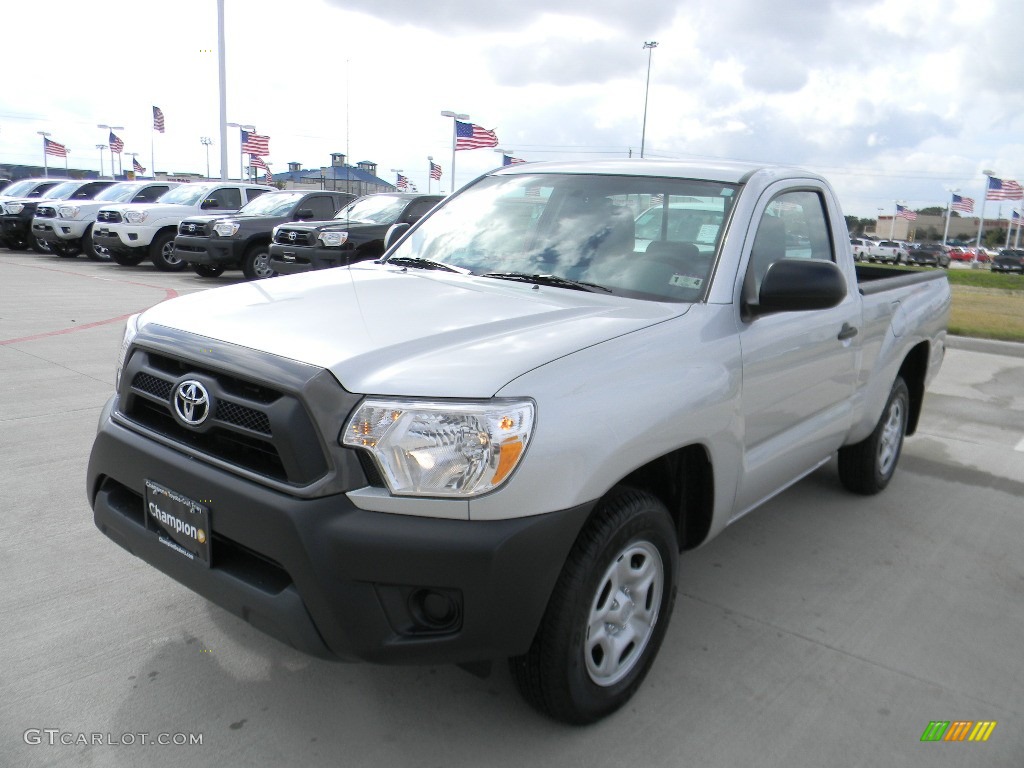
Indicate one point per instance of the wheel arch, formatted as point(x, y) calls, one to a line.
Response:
point(683, 480)
point(914, 371)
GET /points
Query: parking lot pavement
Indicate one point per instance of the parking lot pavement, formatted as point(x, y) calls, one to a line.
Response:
point(824, 629)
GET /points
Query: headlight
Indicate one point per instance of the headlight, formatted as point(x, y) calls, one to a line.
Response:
point(69, 211)
point(136, 217)
point(225, 228)
point(442, 449)
point(131, 328)
point(333, 239)
point(14, 207)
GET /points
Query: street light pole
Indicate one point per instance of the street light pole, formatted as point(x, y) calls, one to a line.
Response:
point(643, 132)
point(45, 135)
point(241, 160)
point(206, 141)
point(112, 128)
point(454, 116)
point(981, 220)
point(101, 147)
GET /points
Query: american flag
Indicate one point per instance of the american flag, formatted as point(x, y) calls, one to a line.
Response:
point(903, 212)
point(53, 148)
point(1003, 190)
point(657, 200)
point(137, 166)
point(255, 144)
point(116, 145)
point(470, 136)
point(965, 204)
point(435, 171)
point(402, 183)
point(158, 119)
point(509, 160)
point(257, 162)
point(268, 178)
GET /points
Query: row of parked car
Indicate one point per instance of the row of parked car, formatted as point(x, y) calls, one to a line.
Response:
point(934, 254)
point(209, 227)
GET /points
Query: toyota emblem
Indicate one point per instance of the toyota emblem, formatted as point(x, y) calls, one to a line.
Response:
point(191, 227)
point(191, 402)
point(291, 236)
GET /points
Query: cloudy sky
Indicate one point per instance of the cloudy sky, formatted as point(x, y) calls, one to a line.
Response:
point(890, 99)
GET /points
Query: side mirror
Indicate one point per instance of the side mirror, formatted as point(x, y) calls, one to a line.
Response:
point(395, 231)
point(799, 285)
point(304, 214)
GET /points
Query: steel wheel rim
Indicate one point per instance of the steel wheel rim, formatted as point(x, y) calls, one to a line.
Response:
point(168, 254)
point(624, 613)
point(261, 265)
point(892, 433)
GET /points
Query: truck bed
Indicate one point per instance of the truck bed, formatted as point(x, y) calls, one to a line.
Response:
point(872, 280)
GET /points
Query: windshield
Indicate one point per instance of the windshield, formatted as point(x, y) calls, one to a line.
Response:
point(63, 191)
point(18, 188)
point(374, 209)
point(636, 236)
point(271, 204)
point(186, 194)
point(118, 193)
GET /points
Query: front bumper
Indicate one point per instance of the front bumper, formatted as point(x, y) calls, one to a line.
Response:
point(206, 250)
point(122, 238)
point(59, 230)
point(333, 580)
point(291, 259)
point(14, 225)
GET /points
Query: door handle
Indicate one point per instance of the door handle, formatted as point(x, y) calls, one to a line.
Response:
point(848, 332)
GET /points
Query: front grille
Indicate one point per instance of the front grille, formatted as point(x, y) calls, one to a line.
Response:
point(284, 237)
point(109, 217)
point(46, 212)
point(192, 229)
point(252, 426)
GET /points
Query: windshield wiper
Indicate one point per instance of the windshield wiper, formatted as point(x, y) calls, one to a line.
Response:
point(412, 261)
point(554, 280)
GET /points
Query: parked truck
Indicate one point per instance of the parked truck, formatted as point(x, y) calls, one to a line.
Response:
point(496, 441)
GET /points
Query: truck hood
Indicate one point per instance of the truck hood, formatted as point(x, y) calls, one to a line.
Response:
point(385, 330)
point(333, 224)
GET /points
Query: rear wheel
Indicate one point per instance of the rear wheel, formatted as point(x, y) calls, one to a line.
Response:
point(161, 251)
point(868, 466)
point(607, 615)
point(208, 270)
point(256, 262)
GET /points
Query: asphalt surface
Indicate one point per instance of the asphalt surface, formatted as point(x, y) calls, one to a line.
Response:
point(824, 629)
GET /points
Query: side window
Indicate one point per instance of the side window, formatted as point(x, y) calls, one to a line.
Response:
point(322, 207)
point(149, 194)
point(416, 210)
point(793, 226)
point(226, 198)
point(251, 194)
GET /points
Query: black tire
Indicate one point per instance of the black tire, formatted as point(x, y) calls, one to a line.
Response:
point(208, 270)
point(17, 242)
point(161, 253)
point(127, 259)
point(89, 248)
point(868, 466)
point(63, 250)
point(256, 262)
point(568, 673)
point(39, 246)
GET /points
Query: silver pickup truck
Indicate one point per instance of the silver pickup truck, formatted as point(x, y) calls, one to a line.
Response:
point(496, 441)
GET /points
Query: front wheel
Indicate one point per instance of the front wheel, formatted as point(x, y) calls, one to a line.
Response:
point(607, 615)
point(39, 246)
point(256, 262)
point(868, 466)
point(208, 270)
point(161, 251)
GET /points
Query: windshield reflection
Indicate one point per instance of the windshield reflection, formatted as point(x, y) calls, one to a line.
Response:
point(642, 237)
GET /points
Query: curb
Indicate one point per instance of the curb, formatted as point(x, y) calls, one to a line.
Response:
point(990, 346)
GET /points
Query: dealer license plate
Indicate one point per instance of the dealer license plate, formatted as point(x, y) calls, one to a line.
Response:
point(180, 523)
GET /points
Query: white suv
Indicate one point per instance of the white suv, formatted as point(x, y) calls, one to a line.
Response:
point(67, 227)
point(136, 231)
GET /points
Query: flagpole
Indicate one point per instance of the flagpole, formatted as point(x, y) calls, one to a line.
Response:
point(981, 220)
point(949, 214)
point(430, 171)
point(455, 116)
point(892, 225)
point(46, 167)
